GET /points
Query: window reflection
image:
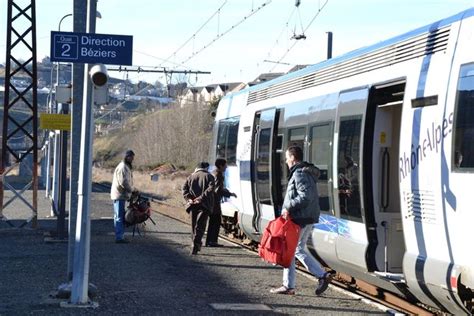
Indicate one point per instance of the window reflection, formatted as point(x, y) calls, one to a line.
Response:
point(320, 156)
point(348, 169)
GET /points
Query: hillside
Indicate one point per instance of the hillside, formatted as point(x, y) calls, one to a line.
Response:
point(180, 136)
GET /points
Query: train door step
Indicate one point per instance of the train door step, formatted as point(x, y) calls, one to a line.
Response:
point(391, 277)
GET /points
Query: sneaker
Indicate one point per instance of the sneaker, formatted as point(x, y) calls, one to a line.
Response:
point(283, 290)
point(323, 283)
point(122, 241)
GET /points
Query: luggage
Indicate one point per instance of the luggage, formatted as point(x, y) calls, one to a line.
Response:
point(279, 241)
point(138, 211)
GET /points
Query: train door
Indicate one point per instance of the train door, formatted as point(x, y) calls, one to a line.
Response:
point(352, 241)
point(382, 198)
point(319, 149)
point(265, 164)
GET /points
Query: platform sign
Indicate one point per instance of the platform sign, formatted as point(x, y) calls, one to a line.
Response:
point(55, 121)
point(91, 48)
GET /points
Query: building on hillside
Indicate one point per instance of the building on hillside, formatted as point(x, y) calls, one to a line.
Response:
point(209, 93)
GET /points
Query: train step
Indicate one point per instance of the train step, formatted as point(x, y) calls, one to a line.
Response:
point(391, 277)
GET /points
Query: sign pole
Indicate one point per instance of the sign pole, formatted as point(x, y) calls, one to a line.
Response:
point(80, 281)
point(80, 18)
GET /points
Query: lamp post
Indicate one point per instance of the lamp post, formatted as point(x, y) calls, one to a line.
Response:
point(59, 162)
point(61, 21)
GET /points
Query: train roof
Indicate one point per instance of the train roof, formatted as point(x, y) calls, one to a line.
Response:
point(361, 51)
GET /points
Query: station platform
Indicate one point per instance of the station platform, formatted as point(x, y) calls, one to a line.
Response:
point(152, 275)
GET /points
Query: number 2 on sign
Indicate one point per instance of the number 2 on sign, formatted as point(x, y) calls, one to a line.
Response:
point(65, 48)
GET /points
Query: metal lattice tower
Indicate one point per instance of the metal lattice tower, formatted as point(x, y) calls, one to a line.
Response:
point(20, 123)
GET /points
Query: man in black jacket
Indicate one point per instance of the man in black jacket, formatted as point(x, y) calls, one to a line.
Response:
point(220, 191)
point(198, 191)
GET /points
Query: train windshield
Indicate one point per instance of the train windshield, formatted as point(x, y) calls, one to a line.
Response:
point(463, 158)
point(227, 140)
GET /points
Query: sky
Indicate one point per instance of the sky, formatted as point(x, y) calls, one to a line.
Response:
point(236, 40)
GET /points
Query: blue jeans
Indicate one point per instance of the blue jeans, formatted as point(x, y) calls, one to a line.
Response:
point(119, 214)
point(303, 256)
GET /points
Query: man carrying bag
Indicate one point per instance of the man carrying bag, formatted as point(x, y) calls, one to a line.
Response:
point(301, 204)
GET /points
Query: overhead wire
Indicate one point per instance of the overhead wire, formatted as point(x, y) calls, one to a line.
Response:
point(227, 31)
point(281, 33)
point(294, 44)
point(192, 37)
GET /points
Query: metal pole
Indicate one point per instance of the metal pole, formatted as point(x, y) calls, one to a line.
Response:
point(48, 166)
point(329, 45)
point(80, 281)
point(57, 183)
point(62, 178)
point(80, 16)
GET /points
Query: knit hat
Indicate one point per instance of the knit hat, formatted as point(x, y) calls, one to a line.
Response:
point(129, 153)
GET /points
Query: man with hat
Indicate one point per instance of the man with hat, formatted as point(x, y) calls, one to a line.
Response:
point(121, 191)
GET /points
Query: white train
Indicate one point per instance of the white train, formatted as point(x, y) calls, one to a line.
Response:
point(391, 127)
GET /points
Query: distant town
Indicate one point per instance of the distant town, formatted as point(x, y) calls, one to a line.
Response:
point(127, 97)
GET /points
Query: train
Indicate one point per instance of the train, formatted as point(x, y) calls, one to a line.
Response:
point(391, 128)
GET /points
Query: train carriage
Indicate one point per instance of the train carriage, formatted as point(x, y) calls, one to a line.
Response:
point(391, 127)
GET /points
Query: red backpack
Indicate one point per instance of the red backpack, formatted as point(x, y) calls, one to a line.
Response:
point(279, 241)
point(138, 211)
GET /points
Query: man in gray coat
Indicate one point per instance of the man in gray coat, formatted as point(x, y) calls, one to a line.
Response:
point(120, 192)
point(301, 204)
point(198, 191)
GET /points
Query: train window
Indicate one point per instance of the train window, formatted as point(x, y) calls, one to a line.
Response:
point(296, 137)
point(463, 156)
point(320, 156)
point(266, 120)
point(279, 143)
point(348, 170)
point(227, 140)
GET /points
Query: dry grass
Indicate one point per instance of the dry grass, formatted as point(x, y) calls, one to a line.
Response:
point(167, 189)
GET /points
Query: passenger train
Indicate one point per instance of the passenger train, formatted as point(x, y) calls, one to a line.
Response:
point(391, 127)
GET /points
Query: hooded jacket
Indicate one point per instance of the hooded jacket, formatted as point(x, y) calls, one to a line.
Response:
point(302, 198)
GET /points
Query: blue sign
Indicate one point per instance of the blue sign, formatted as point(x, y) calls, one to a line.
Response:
point(91, 48)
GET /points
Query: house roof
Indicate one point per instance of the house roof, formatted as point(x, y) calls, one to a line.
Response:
point(297, 67)
point(265, 77)
point(229, 86)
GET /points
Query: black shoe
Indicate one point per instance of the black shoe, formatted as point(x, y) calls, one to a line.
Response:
point(122, 241)
point(214, 244)
point(323, 283)
point(194, 251)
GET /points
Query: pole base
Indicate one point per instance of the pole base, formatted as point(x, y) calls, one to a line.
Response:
point(89, 304)
point(65, 289)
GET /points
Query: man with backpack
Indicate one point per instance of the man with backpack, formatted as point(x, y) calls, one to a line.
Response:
point(301, 204)
point(120, 192)
point(198, 191)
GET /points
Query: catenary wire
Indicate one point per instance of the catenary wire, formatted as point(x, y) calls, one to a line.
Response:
point(294, 44)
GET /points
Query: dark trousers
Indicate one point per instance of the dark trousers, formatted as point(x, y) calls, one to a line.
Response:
point(198, 225)
point(214, 226)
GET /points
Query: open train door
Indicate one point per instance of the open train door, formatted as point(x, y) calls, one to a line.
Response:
point(264, 160)
point(382, 199)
